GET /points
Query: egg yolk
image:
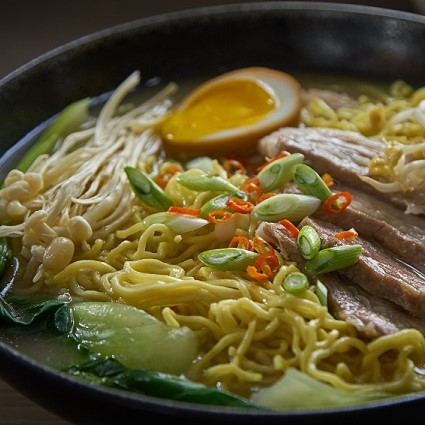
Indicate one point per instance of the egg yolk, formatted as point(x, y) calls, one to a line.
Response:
point(229, 105)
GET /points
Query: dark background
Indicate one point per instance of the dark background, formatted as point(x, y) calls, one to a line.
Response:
point(29, 28)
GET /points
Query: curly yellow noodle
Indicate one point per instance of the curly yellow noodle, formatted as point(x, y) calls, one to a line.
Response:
point(92, 252)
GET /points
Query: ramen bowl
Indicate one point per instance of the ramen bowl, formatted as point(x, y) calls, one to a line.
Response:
point(315, 38)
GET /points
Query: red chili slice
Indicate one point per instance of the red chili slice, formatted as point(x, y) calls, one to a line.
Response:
point(240, 205)
point(347, 235)
point(293, 230)
point(253, 189)
point(266, 266)
point(264, 196)
point(219, 216)
point(233, 166)
point(328, 179)
point(247, 163)
point(184, 211)
point(337, 203)
point(261, 246)
point(163, 178)
point(281, 154)
point(255, 274)
point(240, 242)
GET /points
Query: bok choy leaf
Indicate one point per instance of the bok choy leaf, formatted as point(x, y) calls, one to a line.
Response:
point(111, 373)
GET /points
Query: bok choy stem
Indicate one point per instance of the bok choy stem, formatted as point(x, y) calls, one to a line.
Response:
point(69, 120)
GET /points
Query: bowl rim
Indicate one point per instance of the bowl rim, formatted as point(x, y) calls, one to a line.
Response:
point(190, 13)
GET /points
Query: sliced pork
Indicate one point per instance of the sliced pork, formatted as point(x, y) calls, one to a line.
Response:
point(381, 222)
point(281, 238)
point(377, 271)
point(371, 316)
point(343, 154)
point(370, 313)
point(334, 99)
point(378, 221)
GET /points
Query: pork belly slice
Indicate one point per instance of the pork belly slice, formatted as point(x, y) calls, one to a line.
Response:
point(334, 99)
point(343, 154)
point(371, 316)
point(381, 222)
point(378, 221)
point(377, 271)
point(281, 238)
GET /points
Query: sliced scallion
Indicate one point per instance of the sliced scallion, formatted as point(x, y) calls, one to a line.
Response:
point(293, 207)
point(207, 182)
point(147, 190)
point(279, 172)
point(228, 258)
point(295, 283)
point(334, 258)
point(177, 223)
point(322, 293)
point(308, 241)
point(218, 203)
point(310, 182)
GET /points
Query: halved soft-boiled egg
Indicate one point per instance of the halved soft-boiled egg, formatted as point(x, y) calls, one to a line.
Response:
point(231, 112)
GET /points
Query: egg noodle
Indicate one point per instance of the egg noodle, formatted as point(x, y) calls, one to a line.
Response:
point(77, 229)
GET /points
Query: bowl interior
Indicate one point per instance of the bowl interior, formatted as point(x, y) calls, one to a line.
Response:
point(294, 36)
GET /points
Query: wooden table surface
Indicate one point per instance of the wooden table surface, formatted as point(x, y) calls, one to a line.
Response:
point(30, 29)
point(16, 409)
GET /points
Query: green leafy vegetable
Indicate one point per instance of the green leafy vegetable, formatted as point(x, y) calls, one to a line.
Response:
point(69, 120)
point(147, 190)
point(112, 373)
point(135, 338)
point(299, 390)
point(17, 312)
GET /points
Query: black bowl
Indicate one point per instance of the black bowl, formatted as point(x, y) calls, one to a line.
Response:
point(315, 37)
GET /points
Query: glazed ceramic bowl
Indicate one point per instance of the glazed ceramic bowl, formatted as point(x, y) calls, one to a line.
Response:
point(300, 36)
